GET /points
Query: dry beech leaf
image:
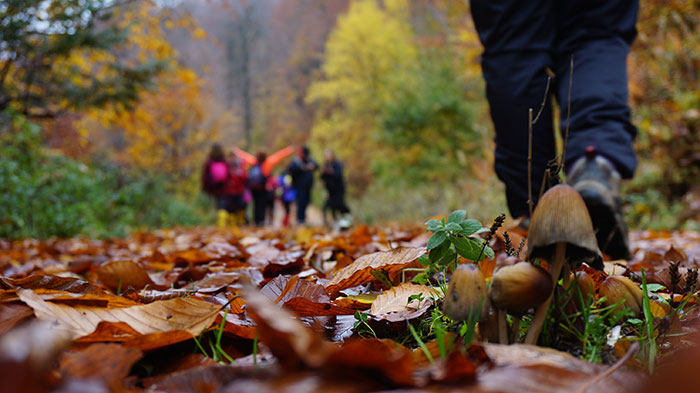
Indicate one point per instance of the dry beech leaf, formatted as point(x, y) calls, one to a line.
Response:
point(306, 308)
point(192, 256)
point(291, 342)
point(305, 298)
point(212, 282)
point(393, 305)
point(67, 284)
point(358, 272)
point(11, 314)
point(110, 332)
point(384, 357)
point(121, 275)
point(108, 362)
point(282, 289)
point(188, 314)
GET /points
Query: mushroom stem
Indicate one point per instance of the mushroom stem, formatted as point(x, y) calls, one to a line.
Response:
point(541, 313)
point(566, 275)
point(515, 331)
point(502, 327)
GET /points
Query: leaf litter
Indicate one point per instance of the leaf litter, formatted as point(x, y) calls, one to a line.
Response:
point(167, 310)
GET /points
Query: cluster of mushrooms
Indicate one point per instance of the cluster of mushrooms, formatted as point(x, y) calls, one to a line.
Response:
point(561, 232)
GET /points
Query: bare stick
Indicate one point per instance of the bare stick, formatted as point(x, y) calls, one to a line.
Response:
point(544, 100)
point(530, 123)
point(529, 161)
point(568, 113)
point(631, 351)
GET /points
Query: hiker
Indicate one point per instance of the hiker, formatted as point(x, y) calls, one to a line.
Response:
point(332, 176)
point(286, 194)
point(271, 186)
point(261, 167)
point(235, 189)
point(214, 177)
point(302, 171)
point(256, 183)
point(524, 41)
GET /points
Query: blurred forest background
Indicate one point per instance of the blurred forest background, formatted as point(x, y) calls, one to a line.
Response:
point(108, 108)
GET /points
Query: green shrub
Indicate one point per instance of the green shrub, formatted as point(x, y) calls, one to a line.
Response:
point(44, 193)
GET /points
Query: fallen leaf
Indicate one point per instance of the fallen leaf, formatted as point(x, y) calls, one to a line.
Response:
point(121, 275)
point(292, 343)
point(11, 314)
point(212, 282)
point(393, 305)
point(282, 289)
point(358, 272)
point(108, 362)
point(387, 360)
point(188, 314)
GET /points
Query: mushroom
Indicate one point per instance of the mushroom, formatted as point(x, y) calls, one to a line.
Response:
point(561, 231)
point(516, 289)
point(466, 297)
point(618, 289)
point(584, 282)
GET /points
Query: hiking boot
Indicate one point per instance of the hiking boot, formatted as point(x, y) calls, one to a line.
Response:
point(598, 182)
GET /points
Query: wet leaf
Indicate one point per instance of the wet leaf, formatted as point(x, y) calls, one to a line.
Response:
point(291, 342)
point(190, 314)
point(396, 304)
point(359, 271)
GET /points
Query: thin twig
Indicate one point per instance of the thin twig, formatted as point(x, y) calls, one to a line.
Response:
point(630, 352)
point(568, 113)
point(544, 100)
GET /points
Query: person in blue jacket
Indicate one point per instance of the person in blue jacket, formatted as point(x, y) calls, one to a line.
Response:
point(302, 171)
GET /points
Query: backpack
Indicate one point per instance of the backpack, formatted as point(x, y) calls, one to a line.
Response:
point(218, 173)
point(256, 178)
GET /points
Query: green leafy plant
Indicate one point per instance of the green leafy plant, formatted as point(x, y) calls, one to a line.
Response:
point(452, 238)
point(362, 326)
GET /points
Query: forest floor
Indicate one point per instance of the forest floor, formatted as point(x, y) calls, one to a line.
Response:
point(245, 309)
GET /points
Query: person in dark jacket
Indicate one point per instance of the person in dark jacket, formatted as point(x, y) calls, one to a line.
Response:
point(302, 171)
point(332, 176)
point(525, 44)
point(257, 182)
point(214, 177)
point(235, 189)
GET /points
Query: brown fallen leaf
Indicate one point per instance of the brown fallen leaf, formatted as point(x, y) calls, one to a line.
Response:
point(282, 289)
point(384, 360)
point(108, 362)
point(26, 356)
point(11, 314)
point(67, 284)
point(121, 275)
point(110, 332)
point(358, 272)
point(188, 314)
point(212, 282)
point(393, 305)
point(292, 343)
point(149, 342)
point(306, 308)
point(287, 262)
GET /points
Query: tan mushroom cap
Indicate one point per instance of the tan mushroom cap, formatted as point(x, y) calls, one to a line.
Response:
point(561, 216)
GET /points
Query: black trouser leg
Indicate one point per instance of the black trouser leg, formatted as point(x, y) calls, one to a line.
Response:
point(259, 202)
point(521, 39)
